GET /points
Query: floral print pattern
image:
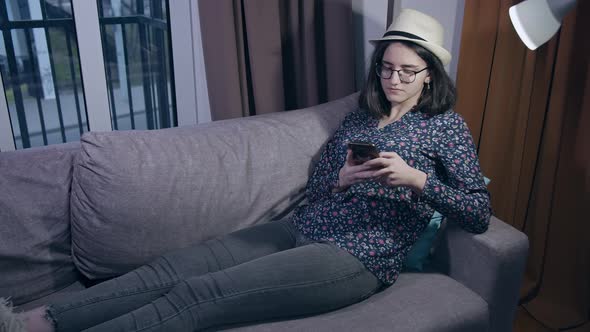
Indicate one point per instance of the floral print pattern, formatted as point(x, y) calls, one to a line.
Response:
point(379, 224)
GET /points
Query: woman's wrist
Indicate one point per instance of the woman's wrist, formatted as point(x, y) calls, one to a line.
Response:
point(418, 181)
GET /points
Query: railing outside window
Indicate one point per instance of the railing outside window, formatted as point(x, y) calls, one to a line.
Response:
point(136, 43)
point(40, 67)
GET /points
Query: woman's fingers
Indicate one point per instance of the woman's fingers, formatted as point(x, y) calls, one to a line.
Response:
point(382, 162)
point(363, 175)
point(363, 167)
point(382, 172)
point(377, 163)
point(349, 156)
point(390, 155)
point(375, 169)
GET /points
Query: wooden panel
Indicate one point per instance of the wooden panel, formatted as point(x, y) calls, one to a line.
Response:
point(478, 38)
point(539, 211)
point(564, 296)
point(506, 113)
point(539, 100)
point(524, 322)
point(530, 113)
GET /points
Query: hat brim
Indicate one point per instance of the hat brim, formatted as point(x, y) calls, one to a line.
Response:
point(442, 54)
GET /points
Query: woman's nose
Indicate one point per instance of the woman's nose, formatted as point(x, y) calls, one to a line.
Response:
point(395, 77)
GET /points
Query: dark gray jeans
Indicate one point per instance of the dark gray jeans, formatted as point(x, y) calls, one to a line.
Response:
point(263, 272)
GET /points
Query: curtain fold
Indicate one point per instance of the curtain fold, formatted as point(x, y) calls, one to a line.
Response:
point(529, 113)
point(267, 55)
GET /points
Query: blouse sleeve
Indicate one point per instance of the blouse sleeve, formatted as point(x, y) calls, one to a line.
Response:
point(458, 190)
point(325, 175)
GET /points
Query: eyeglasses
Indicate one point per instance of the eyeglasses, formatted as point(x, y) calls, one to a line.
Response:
point(405, 75)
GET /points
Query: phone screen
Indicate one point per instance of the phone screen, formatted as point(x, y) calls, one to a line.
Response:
point(363, 151)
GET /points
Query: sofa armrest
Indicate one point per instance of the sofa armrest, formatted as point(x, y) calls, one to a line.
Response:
point(491, 264)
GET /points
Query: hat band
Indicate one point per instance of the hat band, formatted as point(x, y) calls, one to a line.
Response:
point(402, 34)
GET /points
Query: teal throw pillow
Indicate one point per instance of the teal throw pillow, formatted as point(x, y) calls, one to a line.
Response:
point(420, 251)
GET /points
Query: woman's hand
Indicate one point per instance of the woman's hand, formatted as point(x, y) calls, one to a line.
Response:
point(352, 173)
point(393, 171)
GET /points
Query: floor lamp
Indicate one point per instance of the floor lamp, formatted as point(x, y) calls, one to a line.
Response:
point(536, 21)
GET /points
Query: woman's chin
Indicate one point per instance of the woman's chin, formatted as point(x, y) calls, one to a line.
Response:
point(394, 98)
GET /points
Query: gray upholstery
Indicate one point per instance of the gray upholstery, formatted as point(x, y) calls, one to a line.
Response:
point(34, 220)
point(119, 198)
point(491, 264)
point(416, 302)
point(137, 194)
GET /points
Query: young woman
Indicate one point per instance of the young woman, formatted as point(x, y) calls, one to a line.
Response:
point(347, 243)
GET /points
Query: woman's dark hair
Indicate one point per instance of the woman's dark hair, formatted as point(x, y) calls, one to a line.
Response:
point(439, 98)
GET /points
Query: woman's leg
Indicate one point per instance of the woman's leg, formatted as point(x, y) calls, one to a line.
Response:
point(133, 290)
point(310, 279)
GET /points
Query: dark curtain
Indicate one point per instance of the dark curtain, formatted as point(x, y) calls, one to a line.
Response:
point(530, 114)
point(265, 56)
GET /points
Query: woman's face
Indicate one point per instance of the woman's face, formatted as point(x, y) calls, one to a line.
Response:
point(398, 56)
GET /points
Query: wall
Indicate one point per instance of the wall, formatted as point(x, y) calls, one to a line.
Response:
point(370, 21)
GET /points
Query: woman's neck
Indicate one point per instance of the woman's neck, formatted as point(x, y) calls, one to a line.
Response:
point(396, 112)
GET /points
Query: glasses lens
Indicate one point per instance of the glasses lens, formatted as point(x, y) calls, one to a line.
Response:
point(383, 71)
point(406, 76)
point(379, 71)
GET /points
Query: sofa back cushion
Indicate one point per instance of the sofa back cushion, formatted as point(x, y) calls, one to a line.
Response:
point(138, 194)
point(35, 247)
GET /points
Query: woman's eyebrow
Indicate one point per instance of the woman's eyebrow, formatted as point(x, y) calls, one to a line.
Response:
point(385, 62)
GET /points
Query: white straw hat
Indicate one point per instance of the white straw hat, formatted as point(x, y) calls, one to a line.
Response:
point(416, 27)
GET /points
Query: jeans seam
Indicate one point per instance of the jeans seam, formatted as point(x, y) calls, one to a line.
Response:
point(326, 282)
point(106, 298)
point(229, 253)
point(212, 254)
point(170, 266)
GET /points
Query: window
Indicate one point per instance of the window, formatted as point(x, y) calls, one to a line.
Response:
point(136, 47)
point(40, 68)
point(71, 66)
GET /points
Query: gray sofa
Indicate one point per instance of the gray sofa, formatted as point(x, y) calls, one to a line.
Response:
point(74, 214)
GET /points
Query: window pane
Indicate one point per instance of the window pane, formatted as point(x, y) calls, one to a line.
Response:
point(22, 10)
point(117, 8)
point(41, 72)
point(19, 10)
point(58, 8)
point(135, 39)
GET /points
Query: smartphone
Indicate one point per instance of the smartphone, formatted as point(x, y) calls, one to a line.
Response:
point(363, 151)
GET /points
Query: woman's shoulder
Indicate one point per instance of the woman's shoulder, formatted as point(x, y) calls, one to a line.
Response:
point(359, 113)
point(357, 116)
point(449, 118)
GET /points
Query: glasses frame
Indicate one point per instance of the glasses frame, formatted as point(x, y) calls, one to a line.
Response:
point(379, 66)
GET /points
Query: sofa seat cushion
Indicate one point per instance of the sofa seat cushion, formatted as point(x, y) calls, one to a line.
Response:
point(416, 302)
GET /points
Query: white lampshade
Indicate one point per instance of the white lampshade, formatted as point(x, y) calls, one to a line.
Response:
point(536, 21)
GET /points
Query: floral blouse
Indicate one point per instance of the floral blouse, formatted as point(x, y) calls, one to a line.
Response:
point(379, 224)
